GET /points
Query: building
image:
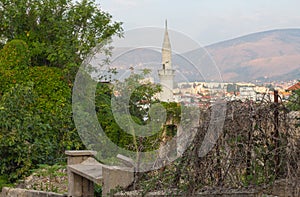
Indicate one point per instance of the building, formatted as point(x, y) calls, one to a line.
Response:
point(294, 87)
point(247, 92)
point(167, 73)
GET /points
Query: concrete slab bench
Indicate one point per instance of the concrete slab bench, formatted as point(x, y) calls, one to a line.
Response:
point(89, 169)
point(84, 171)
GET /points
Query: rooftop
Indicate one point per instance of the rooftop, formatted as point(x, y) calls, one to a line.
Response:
point(294, 87)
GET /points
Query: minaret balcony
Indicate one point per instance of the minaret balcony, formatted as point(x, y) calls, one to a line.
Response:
point(166, 72)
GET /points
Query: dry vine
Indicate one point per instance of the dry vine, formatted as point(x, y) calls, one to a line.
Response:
point(260, 144)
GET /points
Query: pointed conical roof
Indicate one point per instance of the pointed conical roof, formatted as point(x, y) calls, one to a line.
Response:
point(166, 50)
point(166, 43)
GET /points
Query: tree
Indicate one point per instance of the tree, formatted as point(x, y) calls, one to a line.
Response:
point(36, 104)
point(13, 58)
point(59, 33)
point(141, 98)
point(231, 88)
point(23, 133)
point(42, 44)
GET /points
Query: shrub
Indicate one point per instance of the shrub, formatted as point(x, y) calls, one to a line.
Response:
point(15, 55)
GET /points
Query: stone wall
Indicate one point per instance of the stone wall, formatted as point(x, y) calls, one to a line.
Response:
point(277, 193)
point(278, 189)
point(17, 192)
point(203, 194)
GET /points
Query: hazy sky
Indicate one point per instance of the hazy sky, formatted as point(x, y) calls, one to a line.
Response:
point(206, 21)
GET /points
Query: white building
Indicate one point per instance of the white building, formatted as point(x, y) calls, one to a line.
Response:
point(247, 92)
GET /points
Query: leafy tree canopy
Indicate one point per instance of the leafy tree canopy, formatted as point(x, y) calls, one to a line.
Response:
point(42, 43)
point(58, 32)
point(142, 96)
point(36, 123)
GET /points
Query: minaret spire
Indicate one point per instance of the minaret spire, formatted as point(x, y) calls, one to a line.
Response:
point(166, 49)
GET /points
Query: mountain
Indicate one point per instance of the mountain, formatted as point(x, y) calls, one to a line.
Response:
point(269, 55)
point(264, 56)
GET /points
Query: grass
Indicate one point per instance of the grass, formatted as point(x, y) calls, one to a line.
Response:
point(4, 182)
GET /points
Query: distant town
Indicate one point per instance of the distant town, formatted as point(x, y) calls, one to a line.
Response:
point(203, 93)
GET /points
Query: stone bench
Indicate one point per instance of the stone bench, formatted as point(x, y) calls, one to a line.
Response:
point(84, 171)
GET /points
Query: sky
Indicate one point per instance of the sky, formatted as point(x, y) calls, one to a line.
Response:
point(206, 21)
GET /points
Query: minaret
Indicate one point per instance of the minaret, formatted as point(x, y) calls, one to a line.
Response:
point(166, 74)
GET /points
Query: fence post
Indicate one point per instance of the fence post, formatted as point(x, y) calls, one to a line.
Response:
point(276, 133)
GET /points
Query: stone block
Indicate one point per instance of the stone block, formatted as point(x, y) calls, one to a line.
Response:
point(114, 177)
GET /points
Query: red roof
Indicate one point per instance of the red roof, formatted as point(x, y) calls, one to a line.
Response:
point(294, 87)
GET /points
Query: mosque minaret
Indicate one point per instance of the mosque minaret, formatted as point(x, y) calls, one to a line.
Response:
point(166, 74)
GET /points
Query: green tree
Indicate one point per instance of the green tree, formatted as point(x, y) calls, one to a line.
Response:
point(13, 58)
point(45, 104)
point(141, 98)
point(15, 55)
point(23, 137)
point(39, 97)
point(42, 44)
point(232, 88)
point(59, 33)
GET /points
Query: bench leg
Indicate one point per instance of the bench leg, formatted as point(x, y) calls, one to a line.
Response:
point(87, 188)
point(79, 186)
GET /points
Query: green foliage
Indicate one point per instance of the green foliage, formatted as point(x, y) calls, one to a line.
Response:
point(34, 128)
point(142, 94)
point(294, 101)
point(173, 111)
point(98, 190)
point(141, 99)
point(58, 32)
point(36, 123)
point(4, 182)
point(49, 170)
point(232, 88)
point(42, 44)
point(14, 55)
point(23, 133)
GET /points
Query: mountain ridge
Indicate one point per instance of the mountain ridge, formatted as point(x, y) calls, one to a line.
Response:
point(271, 55)
point(262, 55)
point(250, 35)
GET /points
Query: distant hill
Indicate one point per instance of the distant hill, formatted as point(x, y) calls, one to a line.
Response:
point(264, 56)
point(270, 55)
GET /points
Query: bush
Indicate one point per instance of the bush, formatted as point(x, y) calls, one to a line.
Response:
point(4, 182)
point(23, 133)
point(36, 123)
point(15, 55)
